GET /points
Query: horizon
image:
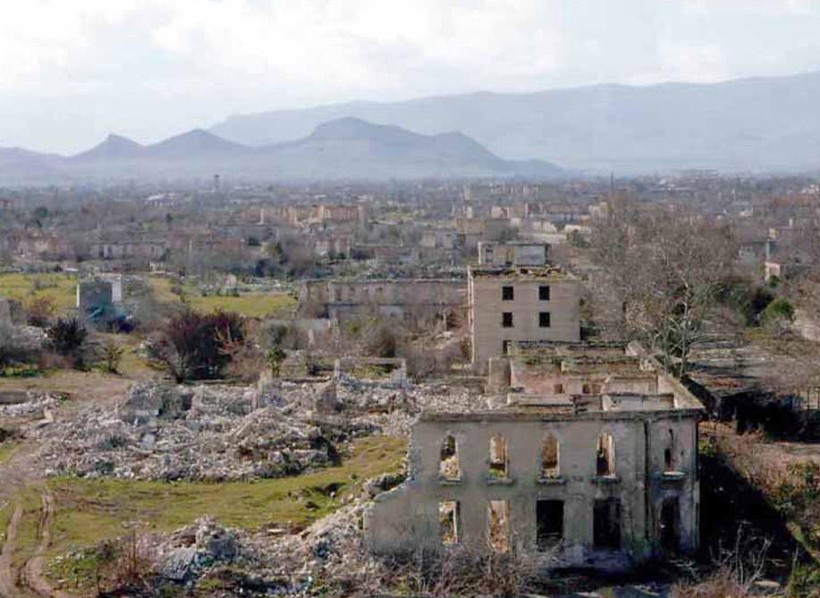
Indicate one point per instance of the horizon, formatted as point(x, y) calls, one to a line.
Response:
point(206, 127)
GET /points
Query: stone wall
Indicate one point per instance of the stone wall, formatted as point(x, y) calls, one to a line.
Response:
point(408, 517)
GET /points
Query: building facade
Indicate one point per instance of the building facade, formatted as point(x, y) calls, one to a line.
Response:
point(600, 480)
point(520, 303)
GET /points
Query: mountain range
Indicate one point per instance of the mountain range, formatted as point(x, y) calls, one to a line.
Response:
point(760, 124)
point(341, 149)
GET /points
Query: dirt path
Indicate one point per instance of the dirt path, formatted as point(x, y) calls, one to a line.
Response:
point(32, 573)
point(21, 470)
point(8, 576)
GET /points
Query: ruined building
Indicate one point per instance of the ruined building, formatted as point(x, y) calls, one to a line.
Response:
point(590, 462)
point(520, 303)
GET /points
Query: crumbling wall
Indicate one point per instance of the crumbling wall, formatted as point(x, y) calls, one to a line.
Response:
point(406, 518)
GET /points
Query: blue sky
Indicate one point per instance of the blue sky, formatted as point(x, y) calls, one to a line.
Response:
point(73, 71)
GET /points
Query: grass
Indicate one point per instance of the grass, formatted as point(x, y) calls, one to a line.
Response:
point(88, 511)
point(252, 305)
point(62, 288)
point(28, 530)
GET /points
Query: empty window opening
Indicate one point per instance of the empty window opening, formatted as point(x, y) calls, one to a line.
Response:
point(549, 520)
point(544, 319)
point(449, 468)
point(507, 319)
point(558, 389)
point(498, 521)
point(670, 525)
point(544, 293)
point(498, 457)
point(549, 458)
point(605, 455)
point(585, 389)
point(448, 521)
point(669, 461)
point(507, 293)
point(606, 524)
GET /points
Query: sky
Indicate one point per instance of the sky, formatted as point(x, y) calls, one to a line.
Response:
point(72, 71)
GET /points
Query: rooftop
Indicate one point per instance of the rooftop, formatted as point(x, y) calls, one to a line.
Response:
point(521, 272)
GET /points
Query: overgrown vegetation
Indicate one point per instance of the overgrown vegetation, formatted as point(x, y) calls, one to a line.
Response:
point(193, 346)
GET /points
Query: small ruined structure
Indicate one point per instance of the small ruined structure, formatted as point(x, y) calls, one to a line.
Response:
point(520, 303)
point(518, 253)
point(592, 462)
point(99, 293)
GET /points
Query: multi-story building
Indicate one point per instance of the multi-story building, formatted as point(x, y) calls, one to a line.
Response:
point(520, 303)
point(602, 473)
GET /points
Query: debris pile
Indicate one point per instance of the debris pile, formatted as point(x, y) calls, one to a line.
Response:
point(220, 432)
point(205, 433)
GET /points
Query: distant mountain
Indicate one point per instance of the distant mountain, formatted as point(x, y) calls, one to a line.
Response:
point(115, 147)
point(348, 148)
point(353, 148)
point(197, 143)
point(750, 124)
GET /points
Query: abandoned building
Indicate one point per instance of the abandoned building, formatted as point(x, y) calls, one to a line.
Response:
point(340, 299)
point(591, 462)
point(99, 293)
point(518, 253)
point(520, 303)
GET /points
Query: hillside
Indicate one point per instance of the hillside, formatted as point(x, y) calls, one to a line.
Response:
point(749, 124)
point(341, 149)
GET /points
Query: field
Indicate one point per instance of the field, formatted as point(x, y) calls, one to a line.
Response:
point(250, 304)
point(90, 510)
point(60, 287)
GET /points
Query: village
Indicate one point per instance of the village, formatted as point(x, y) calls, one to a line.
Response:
point(230, 390)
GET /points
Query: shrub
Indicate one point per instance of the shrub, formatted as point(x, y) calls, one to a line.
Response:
point(40, 311)
point(778, 311)
point(112, 355)
point(69, 338)
point(193, 346)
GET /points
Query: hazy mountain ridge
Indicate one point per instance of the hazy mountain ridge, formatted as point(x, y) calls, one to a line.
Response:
point(346, 148)
point(747, 124)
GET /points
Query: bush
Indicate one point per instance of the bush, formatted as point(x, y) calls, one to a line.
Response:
point(69, 338)
point(193, 346)
point(804, 582)
point(778, 311)
point(40, 311)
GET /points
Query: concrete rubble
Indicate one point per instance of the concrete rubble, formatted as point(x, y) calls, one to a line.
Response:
point(262, 564)
point(220, 433)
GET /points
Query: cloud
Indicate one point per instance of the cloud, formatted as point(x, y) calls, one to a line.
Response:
point(153, 67)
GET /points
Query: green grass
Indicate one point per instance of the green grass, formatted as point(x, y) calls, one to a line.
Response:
point(88, 511)
point(28, 537)
point(62, 288)
point(252, 305)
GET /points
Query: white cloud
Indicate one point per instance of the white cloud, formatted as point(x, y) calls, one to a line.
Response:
point(153, 67)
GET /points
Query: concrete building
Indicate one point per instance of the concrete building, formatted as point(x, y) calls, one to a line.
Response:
point(520, 303)
point(340, 299)
point(99, 293)
point(603, 479)
point(514, 252)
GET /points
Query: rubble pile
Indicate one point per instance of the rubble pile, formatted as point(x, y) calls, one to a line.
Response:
point(329, 552)
point(205, 433)
point(36, 405)
point(219, 432)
